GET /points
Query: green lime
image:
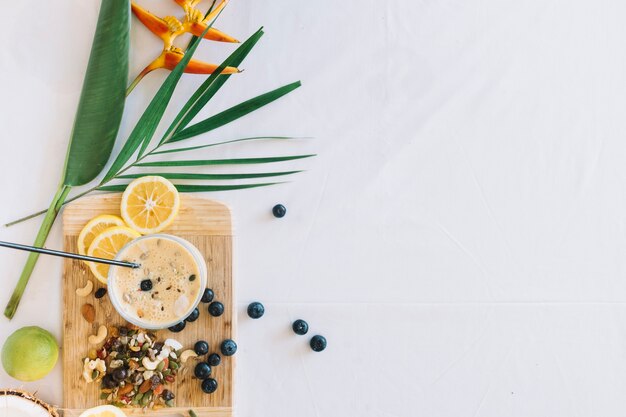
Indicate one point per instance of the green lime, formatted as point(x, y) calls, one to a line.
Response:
point(29, 353)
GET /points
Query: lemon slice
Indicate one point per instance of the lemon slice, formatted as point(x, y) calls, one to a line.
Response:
point(94, 227)
point(103, 411)
point(106, 245)
point(150, 204)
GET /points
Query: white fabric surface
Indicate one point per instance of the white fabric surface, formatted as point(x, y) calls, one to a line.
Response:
point(459, 239)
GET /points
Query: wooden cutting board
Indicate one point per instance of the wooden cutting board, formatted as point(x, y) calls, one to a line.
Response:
point(207, 225)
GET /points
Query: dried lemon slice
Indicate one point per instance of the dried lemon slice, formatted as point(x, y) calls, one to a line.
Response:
point(106, 245)
point(103, 411)
point(94, 227)
point(150, 204)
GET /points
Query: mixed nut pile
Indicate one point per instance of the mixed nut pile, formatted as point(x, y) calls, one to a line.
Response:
point(133, 368)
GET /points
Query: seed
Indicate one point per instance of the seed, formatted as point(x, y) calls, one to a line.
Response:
point(160, 366)
point(169, 403)
point(192, 277)
point(138, 396)
point(100, 292)
point(94, 374)
point(173, 365)
point(146, 398)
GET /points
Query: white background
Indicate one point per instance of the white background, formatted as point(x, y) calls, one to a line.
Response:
point(460, 237)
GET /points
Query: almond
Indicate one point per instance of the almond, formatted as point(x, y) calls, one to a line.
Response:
point(145, 387)
point(88, 312)
point(125, 390)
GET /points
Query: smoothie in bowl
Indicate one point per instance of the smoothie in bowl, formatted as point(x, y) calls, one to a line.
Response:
point(165, 289)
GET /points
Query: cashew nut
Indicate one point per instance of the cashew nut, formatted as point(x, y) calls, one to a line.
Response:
point(91, 365)
point(101, 366)
point(165, 352)
point(86, 371)
point(174, 344)
point(148, 364)
point(189, 353)
point(86, 290)
point(99, 337)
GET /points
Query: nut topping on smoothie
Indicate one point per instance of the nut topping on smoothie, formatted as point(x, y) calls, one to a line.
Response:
point(161, 291)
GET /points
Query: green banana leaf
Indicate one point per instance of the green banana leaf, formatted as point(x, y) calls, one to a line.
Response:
point(96, 124)
point(102, 98)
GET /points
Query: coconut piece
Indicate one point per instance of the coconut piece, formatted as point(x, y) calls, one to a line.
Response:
point(21, 403)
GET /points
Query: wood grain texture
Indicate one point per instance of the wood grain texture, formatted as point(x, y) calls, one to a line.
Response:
point(207, 225)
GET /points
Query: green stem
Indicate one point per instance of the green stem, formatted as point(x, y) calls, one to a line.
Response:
point(40, 240)
point(132, 85)
point(69, 200)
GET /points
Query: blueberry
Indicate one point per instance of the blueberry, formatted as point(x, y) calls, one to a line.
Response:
point(201, 347)
point(318, 343)
point(279, 211)
point(256, 310)
point(202, 370)
point(177, 327)
point(100, 292)
point(108, 382)
point(146, 285)
point(216, 309)
point(194, 315)
point(214, 359)
point(209, 385)
point(300, 327)
point(208, 295)
point(167, 395)
point(120, 374)
point(228, 347)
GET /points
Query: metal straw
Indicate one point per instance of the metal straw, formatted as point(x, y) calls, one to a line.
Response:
point(68, 255)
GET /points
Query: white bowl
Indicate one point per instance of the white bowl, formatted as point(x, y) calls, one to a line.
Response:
point(115, 297)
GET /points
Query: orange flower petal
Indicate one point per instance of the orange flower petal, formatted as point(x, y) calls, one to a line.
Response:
point(154, 23)
point(184, 3)
point(211, 16)
point(197, 29)
point(171, 59)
